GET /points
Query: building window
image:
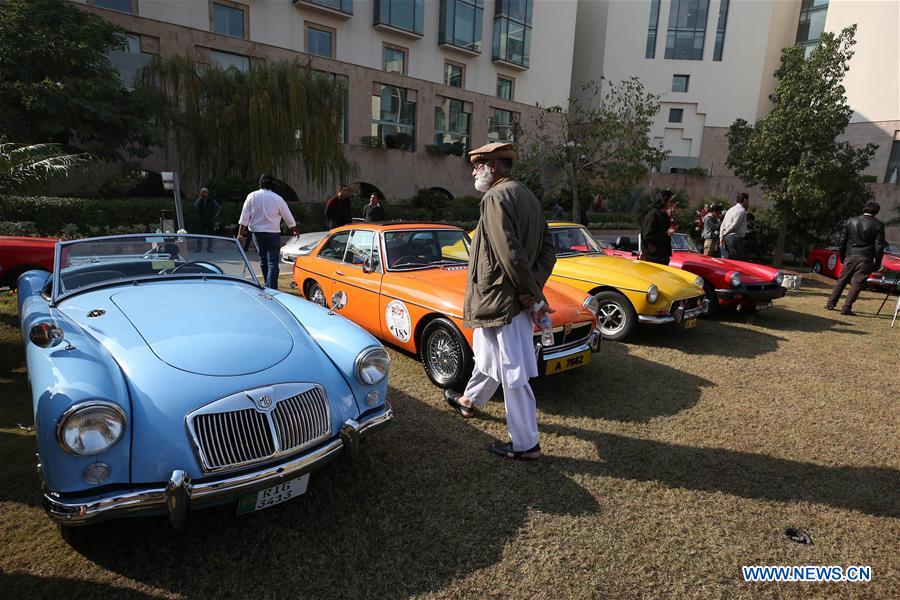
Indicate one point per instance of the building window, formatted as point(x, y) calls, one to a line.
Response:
point(502, 126)
point(454, 74)
point(650, 52)
point(512, 31)
point(687, 29)
point(129, 61)
point(505, 88)
point(407, 15)
point(680, 83)
point(340, 80)
point(125, 6)
point(452, 126)
point(394, 59)
point(320, 40)
point(228, 20)
point(675, 115)
point(811, 24)
point(394, 118)
point(227, 60)
point(460, 23)
point(720, 30)
point(892, 174)
point(344, 6)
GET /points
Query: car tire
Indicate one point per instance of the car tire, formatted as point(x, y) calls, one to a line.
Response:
point(315, 294)
point(817, 267)
point(446, 355)
point(710, 291)
point(616, 315)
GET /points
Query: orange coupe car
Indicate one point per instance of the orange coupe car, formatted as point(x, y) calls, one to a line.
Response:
point(405, 282)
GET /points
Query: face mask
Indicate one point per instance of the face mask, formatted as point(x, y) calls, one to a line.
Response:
point(483, 179)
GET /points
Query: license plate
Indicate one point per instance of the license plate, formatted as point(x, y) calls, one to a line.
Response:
point(763, 305)
point(558, 365)
point(690, 323)
point(273, 495)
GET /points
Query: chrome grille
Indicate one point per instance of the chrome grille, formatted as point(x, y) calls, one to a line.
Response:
point(233, 438)
point(578, 334)
point(301, 419)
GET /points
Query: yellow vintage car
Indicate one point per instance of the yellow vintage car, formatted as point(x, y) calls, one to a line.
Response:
point(628, 291)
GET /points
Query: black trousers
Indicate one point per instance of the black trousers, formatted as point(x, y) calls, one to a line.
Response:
point(855, 271)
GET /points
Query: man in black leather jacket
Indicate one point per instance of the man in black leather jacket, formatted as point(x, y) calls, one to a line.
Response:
point(861, 249)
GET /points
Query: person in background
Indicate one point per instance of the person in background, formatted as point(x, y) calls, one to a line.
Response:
point(558, 213)
point(374, 211)
point(582, 216)
point(734, 229)
point(656, 230)
point(262, 214)
point(208, 211)
point(710, 235)
point(512, 256)
point(338, 210)
point(861, 249)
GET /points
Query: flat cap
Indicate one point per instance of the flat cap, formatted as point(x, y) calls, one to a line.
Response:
point(492, 151)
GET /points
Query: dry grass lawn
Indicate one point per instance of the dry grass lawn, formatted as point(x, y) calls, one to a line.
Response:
point(673, 461)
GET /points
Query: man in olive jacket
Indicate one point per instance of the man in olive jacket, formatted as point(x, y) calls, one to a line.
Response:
point(511, 258)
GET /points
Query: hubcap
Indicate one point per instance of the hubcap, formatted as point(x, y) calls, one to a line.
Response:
point(443, 355)
point(611, 317)
point(316, 295)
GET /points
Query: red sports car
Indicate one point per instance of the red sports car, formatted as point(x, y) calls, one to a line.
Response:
point(827, 261)
point(734, 283)
point(20, 254)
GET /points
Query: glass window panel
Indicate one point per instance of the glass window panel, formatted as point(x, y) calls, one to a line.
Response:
point(464, 24)
point(687, 29)
point(504, 88)
point(124, 6)
point(359, 250)
point(341, 5)
point(680, 83)
point(394, 118)
point(420, 16)
point(516, 10)
point(650, 51)
point(335, 247)
point(394, 60)
point(133, 43)
point(226, 60)
point(675, 115)
point(453, 75)
point(318, 42)
point(228, 20)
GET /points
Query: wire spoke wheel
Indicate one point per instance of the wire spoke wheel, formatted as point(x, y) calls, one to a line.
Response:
point(444, 354)
point(315, 294)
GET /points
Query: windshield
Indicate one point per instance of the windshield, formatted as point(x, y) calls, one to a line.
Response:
point(892, 249)
point(683, 243)
point(410, 249)
point(573, 240)
point(88, 263)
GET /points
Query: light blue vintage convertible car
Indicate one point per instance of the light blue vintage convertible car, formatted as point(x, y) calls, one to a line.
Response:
point(165, 378)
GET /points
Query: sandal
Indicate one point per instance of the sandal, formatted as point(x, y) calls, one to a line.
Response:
point(505, 450)
point(452, 398)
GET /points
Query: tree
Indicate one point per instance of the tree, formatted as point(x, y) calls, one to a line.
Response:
point(812, 180)
point(279, 117)
point(599, 140)
point(57, 85)
point(22, 166)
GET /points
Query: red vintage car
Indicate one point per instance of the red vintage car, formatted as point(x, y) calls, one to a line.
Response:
point(728, 283)
point(827, 261)
point(20, 254)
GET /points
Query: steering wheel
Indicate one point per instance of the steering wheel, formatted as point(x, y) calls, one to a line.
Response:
point(207, 267)
point(413, 259)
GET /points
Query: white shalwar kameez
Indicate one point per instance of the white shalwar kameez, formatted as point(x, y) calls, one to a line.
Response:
point(505, 356)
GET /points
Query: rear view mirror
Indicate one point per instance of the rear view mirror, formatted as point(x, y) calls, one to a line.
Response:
point(339, 300)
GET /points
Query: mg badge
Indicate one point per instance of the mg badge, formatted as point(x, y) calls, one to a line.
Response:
point(264, 401)
point(567, 328)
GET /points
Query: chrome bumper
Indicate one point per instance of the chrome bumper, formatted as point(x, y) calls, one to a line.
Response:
point(678, 317)
point(179, 495)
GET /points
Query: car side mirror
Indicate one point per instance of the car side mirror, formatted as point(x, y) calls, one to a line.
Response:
point(46, 335)
point(339, 300)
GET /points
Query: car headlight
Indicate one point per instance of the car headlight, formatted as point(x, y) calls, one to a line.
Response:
point(591, 304)
point(91, 427)
point(735, 279)
point(779, 277)
point(372, 365)
point(698, 281)
point(652, 293)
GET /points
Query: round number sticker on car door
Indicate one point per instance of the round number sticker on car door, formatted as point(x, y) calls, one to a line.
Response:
point(398, 323)
point(832, 262)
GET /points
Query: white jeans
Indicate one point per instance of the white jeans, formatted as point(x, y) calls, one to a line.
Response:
point(505, 356)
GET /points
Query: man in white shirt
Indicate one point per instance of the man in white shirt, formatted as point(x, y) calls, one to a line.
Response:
point(734, 229)
point(262, 214)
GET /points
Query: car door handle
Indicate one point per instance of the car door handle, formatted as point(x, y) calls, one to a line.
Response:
point(339, 273)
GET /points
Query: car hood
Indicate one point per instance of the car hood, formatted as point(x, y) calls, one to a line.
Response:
point(177, 321)
point(624, 273)
point(751, 273)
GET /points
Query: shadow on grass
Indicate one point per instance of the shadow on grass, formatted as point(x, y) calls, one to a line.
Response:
point(712, 336)
point(783, 319)
point(425, 505)
point(608, 388)
point(26, 585)
point(871, 490)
